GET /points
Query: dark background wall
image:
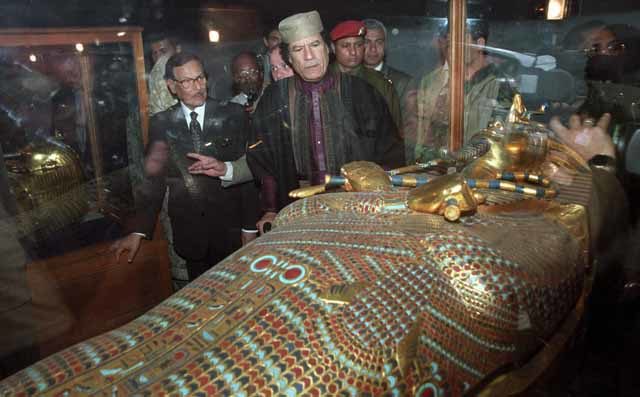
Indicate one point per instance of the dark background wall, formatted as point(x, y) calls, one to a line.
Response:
point(159, 14)
point(515, 24)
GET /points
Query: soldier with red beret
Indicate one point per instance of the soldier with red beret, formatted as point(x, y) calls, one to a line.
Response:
point(348, 45)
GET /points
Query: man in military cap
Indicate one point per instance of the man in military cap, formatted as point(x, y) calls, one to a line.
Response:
point(309, 125)
point(348, 45)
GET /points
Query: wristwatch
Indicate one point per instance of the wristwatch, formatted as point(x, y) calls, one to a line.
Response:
point(603, 162)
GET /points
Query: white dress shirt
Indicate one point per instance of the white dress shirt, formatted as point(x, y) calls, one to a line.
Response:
point(228, 176)
point(200, 111)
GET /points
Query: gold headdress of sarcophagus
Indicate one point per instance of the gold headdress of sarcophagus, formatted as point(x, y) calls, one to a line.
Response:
point(46, 179)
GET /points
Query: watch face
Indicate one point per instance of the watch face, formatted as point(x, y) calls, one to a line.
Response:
point(602, 160)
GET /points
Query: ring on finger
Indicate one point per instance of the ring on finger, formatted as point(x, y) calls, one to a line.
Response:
point(588, 122)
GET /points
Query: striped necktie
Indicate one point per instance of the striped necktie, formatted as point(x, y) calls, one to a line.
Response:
point(196, 131)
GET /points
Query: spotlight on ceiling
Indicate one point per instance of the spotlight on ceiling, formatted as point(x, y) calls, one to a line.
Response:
point(214, 36)
point(556, 9)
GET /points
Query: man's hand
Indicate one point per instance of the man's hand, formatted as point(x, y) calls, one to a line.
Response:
point(207, 165)
point(584, 137)
point(268, 217)
point(130, 243)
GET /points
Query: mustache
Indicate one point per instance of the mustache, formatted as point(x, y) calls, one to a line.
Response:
point(311, 63)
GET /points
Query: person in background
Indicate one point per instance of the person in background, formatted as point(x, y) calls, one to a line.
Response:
point(606, 60)
point(248, 80)
point(348, 45)
point(70, 117)
point(375, 43)
point(488, 95)
point(160, 98)
point(280, 69)
point(163, 46)
point(271, 39)
point(206, 218)
point(309, 125)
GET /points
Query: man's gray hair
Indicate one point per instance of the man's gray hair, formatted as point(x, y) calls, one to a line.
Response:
point(371, 23)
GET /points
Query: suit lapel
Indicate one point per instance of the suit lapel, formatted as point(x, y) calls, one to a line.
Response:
point(208, 129)
point(179, 127)
point(209, 112)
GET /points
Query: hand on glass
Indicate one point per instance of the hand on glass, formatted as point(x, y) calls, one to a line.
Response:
point(585, 136)
point(206, 165)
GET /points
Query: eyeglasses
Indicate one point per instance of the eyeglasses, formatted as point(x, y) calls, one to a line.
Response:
point(243, 74)
point(282, 66)
point(611, 48)
point(190, 83)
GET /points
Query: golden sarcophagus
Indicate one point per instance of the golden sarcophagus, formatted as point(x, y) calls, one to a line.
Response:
point(47, 181)
point(468, 285)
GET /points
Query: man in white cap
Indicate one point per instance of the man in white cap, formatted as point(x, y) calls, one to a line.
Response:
point(309, 125)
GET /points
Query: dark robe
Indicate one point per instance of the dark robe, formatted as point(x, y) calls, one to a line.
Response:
point(356, 125)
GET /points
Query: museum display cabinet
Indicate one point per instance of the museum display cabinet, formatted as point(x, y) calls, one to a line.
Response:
point(73, 116)
point(472, 271)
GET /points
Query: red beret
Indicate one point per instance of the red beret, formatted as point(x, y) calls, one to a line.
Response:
point(348, 29)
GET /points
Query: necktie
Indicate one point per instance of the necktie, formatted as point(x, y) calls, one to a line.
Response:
point(196, 131)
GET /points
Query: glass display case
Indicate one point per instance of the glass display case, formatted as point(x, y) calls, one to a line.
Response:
point(563, 57)
point(73, 119)
point(73, 115)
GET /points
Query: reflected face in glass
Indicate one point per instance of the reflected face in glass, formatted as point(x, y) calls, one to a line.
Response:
point(159, 48)
point(473, 49)
point(374, 42)
point(279, 68)
point(349, 52)
point(310, 57)
point(601, 42)
point(68, 71)
point(273, 39)
point(247, 76)
point(189, 84)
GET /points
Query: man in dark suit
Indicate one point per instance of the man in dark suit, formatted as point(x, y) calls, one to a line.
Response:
point(206, 217)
